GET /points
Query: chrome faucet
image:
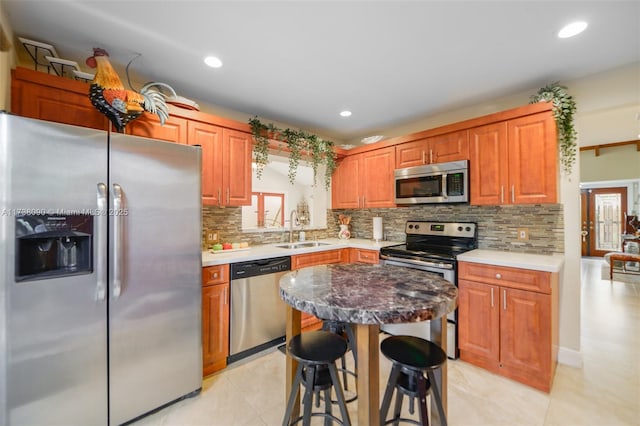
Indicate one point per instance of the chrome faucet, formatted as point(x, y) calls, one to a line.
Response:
point(294, 212)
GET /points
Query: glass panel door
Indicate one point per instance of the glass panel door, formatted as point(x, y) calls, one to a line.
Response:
point(608, 221)
point(603, 224)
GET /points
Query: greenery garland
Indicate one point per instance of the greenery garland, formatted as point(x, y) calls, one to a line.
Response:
point(299, 143)
point(564, 108)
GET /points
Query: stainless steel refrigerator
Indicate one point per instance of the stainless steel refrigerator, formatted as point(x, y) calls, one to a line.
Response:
point(100, 271)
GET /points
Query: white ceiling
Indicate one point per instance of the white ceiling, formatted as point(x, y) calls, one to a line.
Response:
point(302, 62)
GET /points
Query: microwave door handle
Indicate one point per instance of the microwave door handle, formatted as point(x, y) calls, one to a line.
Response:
point(444, 186)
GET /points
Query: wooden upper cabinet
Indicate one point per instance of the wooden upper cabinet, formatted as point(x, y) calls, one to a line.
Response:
point(236, 168)
point(533, 159)
point(514, 162)
point(488, 169)
point(51, 98)
point(226, 164)
point(209, 137)
point(364, 180)
point(452, 146)
point(412, 154)
point(148, 125)
point(449, 147)
point(345, 183)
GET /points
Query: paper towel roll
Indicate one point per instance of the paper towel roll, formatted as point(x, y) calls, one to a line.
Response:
point(377, 228)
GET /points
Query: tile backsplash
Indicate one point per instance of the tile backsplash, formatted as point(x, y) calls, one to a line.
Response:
point(497, 225)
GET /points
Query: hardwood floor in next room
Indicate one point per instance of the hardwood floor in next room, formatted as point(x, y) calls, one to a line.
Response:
point(606, 391)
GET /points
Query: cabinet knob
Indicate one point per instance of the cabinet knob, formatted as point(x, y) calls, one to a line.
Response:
point(498, 276)
point(215, 275)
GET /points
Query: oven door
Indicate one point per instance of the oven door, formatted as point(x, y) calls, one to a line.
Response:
point(423, 329)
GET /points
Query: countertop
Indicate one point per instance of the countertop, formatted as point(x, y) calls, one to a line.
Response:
point(537, 262)
point(368, 294)
point(267, 251)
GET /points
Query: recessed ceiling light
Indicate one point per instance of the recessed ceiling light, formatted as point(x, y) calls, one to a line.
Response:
point(347, 146)
point(572, 29)
point(213, 62)
point(345, 113)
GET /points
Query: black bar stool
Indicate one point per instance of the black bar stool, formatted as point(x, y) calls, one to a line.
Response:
point(316, 353)
point(345, 330)
point(412, 357)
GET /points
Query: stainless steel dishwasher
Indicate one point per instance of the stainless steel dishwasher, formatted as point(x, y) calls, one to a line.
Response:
point(258, 315)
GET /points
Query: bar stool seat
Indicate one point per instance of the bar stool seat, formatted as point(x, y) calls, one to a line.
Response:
point(316, 353)
point(411, 357)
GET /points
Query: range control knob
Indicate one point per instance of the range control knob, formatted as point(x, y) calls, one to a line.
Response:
point(417, 226)
point(468, 228)
point(460, 228)
point(410, 226)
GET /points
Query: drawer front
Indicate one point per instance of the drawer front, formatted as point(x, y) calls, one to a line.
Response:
point(317, 258)
point(524, 279)
point(216, 274)
point(364, 256)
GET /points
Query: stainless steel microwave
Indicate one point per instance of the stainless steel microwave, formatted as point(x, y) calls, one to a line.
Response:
point(433, 183)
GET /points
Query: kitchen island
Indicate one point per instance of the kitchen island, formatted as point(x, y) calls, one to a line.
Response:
point(367, 296)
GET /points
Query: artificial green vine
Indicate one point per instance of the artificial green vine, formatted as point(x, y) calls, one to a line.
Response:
point(299, 143)
point(564, 108)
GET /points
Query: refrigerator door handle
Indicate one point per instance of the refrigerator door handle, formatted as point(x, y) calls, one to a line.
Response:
point(117, 239)
point(101, 242)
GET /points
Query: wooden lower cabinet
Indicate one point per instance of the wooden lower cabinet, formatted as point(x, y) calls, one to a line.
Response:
point(310, 322)
point(357, 255)
point(215, 318)
point(508, 321)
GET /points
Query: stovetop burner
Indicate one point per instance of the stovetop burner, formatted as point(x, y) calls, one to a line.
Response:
point(442, 241)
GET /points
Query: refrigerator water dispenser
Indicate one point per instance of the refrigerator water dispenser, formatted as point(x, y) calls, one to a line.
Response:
point(53, 245)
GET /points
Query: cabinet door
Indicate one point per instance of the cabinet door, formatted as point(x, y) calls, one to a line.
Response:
point(377, 178)
point(412, 154)
point(357, 255)
point(236, 168)
point(533, 159)
point(215, 327)
point(449, 147)
point(525, 333)
point(479, 320)
point(148, 125)
point(488, 164)
point(318, 258)
point(52, 104)
point(209, 138)
point(345, 184)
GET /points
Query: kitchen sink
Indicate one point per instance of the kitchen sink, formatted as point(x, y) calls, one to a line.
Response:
point(302, 245)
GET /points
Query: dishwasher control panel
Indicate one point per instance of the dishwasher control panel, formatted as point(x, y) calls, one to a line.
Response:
point(255, 268)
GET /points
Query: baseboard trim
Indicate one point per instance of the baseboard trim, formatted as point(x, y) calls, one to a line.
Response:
point(570, 357)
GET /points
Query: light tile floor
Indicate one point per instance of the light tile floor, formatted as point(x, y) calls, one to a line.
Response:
point(606, 391)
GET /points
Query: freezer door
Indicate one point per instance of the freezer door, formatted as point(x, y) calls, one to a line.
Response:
point(53, 329)
point(155, 348)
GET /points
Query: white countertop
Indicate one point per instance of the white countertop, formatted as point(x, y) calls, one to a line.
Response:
point(537, 262)
point(267, 251)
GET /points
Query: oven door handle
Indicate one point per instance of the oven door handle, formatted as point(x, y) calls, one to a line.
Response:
point(417, 262)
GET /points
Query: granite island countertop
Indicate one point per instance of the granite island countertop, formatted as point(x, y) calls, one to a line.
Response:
point(368, 294)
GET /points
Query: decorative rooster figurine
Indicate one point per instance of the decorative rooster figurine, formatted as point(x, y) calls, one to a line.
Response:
point(108, 95)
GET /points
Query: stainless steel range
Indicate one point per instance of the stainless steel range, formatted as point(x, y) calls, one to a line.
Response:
point(432, 247)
